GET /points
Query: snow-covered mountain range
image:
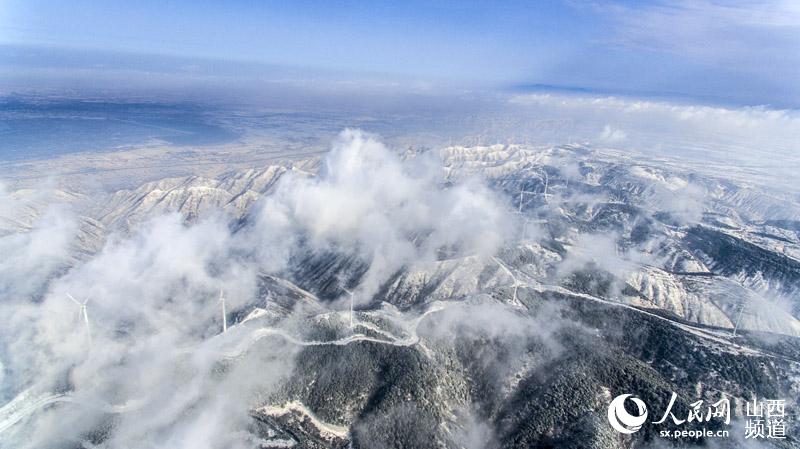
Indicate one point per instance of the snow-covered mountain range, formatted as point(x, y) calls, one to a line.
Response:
point(616, 274)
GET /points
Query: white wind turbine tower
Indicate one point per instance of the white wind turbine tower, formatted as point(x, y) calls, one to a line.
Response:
point(738, 318)
point(83, 312)
point(224, 313)
point(522, 193)
point(352, 299)
point(546, 181)
point(516, 284)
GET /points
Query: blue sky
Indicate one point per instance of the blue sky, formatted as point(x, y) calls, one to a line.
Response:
point(745, 52)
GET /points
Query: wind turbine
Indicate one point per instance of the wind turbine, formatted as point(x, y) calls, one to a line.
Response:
point(224, 314)
point(351, 305)
point(522, 192)
point(82, 311)
point(546, 181)
point(738, 318)
point(516, 284)
point(268, 298)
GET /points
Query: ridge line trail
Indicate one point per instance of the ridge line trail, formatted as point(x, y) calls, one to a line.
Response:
point(698, 331)
point(11, 415)
point(17, 409)
point(300, 407)
point(253, 337)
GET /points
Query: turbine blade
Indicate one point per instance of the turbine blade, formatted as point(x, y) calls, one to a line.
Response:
point(73, 299)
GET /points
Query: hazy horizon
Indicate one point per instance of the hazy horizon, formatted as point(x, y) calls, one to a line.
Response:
point(734, 53)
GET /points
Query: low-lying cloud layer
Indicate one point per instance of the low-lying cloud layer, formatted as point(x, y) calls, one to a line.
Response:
point(757, 144)
point(392, 213)
point(152, 294)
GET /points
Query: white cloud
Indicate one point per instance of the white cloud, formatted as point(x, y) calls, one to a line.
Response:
point(31, 256)
point(367, 201)
point(612, 135)
point(712, 30)
point(153, 295)
point(755, 144)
